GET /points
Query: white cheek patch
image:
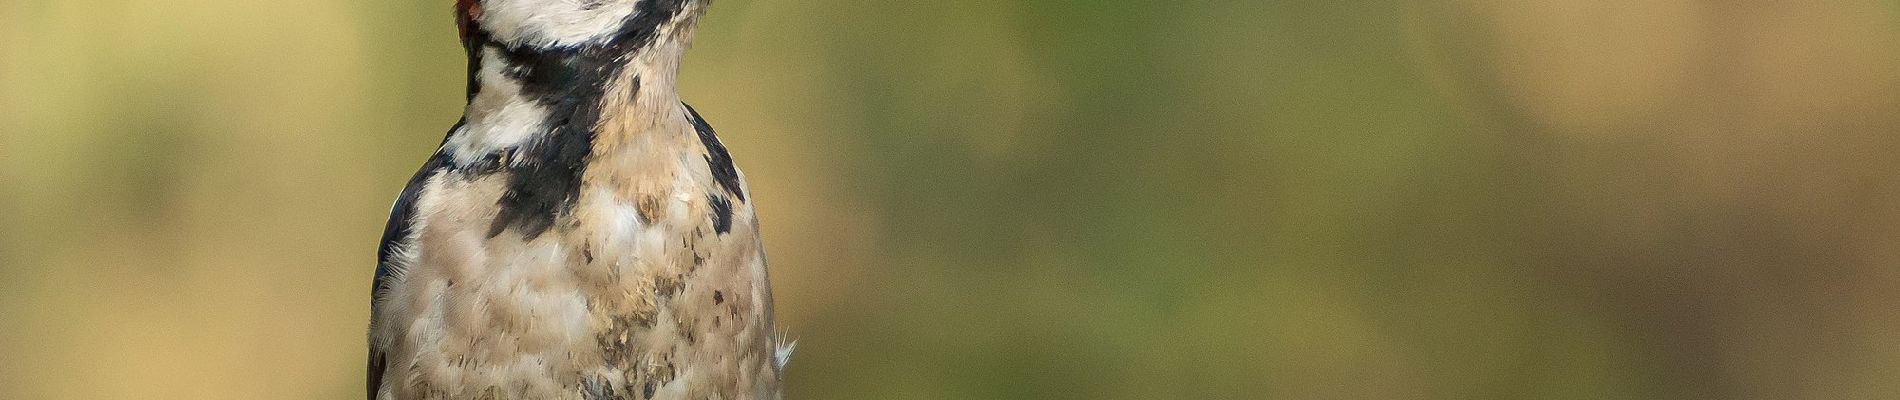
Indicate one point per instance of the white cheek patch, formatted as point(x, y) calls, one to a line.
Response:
point(499, 117)
point(554, 22)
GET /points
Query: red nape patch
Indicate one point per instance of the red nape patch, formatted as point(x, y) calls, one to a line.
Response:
point(466, 12)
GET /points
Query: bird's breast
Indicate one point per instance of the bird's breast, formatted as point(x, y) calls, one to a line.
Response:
point(652, 285)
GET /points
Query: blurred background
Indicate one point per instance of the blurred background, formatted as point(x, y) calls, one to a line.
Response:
point(1050, 199)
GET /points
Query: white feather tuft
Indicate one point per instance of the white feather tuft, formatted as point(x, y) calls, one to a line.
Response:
point(784, 351)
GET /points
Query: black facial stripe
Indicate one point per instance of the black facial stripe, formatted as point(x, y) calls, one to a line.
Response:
point(473, 44)
point(644, 25)
point(544, 178)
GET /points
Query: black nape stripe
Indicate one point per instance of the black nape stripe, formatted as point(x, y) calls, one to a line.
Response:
point(545, 178)
point(473, 43)
point(716, 156)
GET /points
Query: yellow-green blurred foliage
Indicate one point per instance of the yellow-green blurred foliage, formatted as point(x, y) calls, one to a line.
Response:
point(1053, 199)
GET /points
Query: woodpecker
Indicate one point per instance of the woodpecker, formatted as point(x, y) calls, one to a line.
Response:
point(580, 233)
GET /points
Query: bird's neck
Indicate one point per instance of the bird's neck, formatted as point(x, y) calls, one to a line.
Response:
point(539, 118)
point(522, 99)
point(533, 86)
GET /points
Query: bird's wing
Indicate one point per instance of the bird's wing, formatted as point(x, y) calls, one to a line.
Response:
point(716, 155)
point(401, 218)
point(395, 232)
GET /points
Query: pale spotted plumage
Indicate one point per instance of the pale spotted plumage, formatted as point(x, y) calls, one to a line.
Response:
point(582, 233)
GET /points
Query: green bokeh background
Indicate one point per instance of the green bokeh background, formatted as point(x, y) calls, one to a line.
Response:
point(1258, 199)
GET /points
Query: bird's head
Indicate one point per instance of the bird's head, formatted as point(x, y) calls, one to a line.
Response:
point(625, 25)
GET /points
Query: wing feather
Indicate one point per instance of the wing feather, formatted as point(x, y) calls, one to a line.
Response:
point(396, 232)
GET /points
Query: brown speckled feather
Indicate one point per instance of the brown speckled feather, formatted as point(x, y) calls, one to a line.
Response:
point(578, 236)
